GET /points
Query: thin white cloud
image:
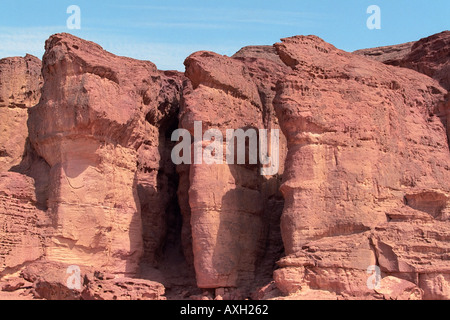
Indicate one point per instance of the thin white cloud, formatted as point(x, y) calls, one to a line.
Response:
point(228, 11)
point(166, 56)
point(111, 34)
point(20, 41)
point(190, 25)
point(16, 41)
point(225, 18)
point(157, 8)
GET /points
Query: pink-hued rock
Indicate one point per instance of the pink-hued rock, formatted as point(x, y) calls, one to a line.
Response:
point(23, 226)
point(393, 288)
point(13, 285)
point(290, 280)
point(436, 286)
point(123, 289)
point(50, 280)
point(233, 209)
point(387, 54)
point(157, 178)
point(338, 265)
point(98, 118)
point(359, 135)
point(55, 281)
point(429, 56)
point(362, 187)
point(20, 83)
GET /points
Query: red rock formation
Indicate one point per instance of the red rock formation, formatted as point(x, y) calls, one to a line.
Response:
point(233, 209)
point(22, 234)
point(368, 159)
point(429, 56)
point(364, 171)
point(98, 117)
point(22, 231)
point(50, 282)
point(157, 178)
point(20, 83)
point(387, 54)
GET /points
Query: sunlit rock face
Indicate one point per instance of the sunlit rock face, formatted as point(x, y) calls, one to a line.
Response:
point(357, 205)
point(367, 173)
point(97, 126)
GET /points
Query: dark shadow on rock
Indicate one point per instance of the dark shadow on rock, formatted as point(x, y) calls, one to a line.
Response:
point(252, 226)
point(35, 167)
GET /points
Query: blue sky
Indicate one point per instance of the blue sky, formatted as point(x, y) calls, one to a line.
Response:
point(166, 32)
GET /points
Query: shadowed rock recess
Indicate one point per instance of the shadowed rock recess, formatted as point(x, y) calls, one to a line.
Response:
point(92, 206)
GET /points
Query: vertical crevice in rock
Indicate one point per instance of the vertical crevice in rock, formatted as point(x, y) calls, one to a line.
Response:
point(365, 181)
point(167, 249)
point(234, 210)
point(89, 126)
point(23, 174)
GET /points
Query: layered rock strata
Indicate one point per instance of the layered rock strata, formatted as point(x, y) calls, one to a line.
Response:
point(234, 210)
point(367, 170)
point(357, 207)
point(97, 126)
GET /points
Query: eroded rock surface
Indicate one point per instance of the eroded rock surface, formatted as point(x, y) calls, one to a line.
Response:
point(20, 83)
point(22, 235)
point(22, 225)
point(98, 118)
point(368, 160)
point(387, 54)
point(362, 184)
point(429, 56)
point(234, 210)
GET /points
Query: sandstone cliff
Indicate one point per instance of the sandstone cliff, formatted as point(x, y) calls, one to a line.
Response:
point(87, 180)
point(97, 126)
point(22, 223)
point(235, 220)
point(367, 170)
point(20, 83)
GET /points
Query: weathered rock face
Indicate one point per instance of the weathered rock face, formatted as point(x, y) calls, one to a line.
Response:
point(387, 54)
point(367, 167)
point(97, 119)
point(430, 56)
point(362, 184)
point(50, 281)
point(233, 208)
point(157, 177)
point(20, 83)
point(22, 235)
point(22, 232)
